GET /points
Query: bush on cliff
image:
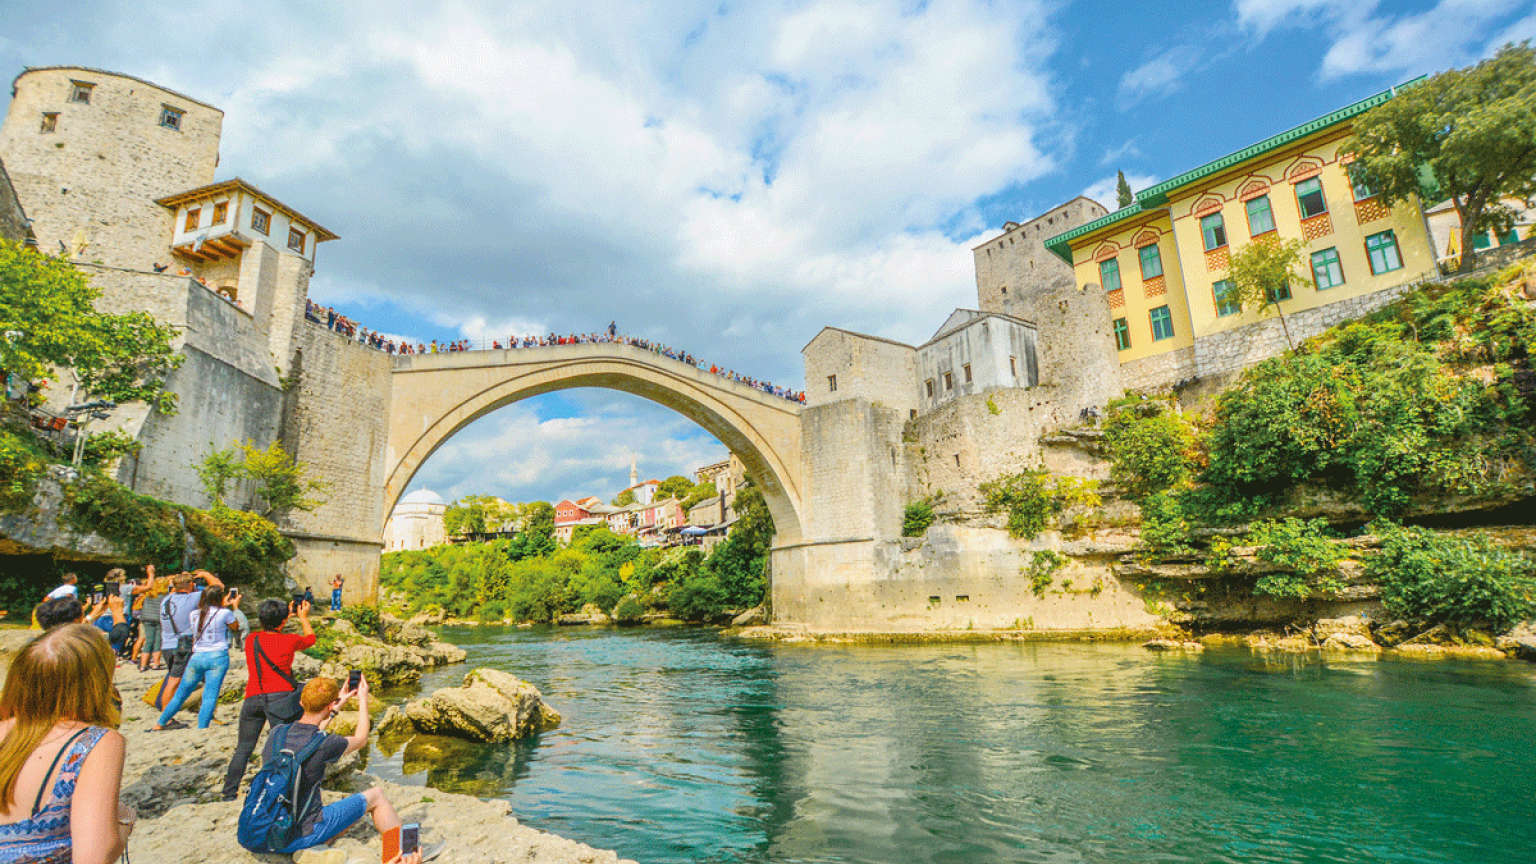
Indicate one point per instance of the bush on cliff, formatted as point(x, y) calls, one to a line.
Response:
point(1152, 447)
point(1464, 580)
point(1031, 499)
point(1427, 399)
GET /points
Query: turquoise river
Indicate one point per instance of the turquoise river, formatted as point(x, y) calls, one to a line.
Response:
point(682, 746)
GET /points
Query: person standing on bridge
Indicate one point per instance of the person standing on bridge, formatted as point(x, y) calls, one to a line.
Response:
point(613, 329)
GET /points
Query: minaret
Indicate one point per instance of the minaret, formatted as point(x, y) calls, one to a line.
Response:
point(634, 473)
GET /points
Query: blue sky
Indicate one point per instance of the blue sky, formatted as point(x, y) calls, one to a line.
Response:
point(726, 178)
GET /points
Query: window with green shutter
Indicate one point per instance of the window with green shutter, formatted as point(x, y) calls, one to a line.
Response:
point(1214, 230)
point(1151, 261)
point(1122, 334)
point(1309, 197)
point(1109, 274)
point(1326, 270)
point(1162, 323)
point(1225, 295)
point(1382, 249)
point(1260, 218)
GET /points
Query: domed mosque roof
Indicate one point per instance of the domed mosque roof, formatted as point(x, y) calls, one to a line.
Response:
point(423, 496)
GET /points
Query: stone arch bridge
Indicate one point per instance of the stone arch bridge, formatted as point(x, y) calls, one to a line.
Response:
point(433, 396)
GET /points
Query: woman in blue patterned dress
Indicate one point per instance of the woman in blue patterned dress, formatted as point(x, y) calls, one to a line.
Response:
point(61, 758)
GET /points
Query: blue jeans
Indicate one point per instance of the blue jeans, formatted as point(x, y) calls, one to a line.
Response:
point(335, 599)
point(207, 668)
point(334, 819)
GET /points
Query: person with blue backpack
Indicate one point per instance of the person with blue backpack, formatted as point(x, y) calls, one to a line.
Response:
point(282, 811)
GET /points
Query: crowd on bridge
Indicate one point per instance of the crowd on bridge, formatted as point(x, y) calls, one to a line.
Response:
point(330, 318)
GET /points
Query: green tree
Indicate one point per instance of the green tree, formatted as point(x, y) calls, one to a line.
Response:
point(217, 470)
point(1123, 196)
point(536, 534)
point(754, 523)
point(676, 486)
point(1262, 273)
point(700, 492)
point(477, 514)
point(1471, 128)
point(47, 321)
point(624, 499)
point(280, 480)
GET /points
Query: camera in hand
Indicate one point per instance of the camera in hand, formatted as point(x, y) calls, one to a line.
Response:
point(410, 837)
point(112, 589)
point(98, 594)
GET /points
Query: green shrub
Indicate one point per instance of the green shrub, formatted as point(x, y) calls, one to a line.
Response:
point(1306, 551)
point(1465, 580)
point(1032, 498)
point(916, 519)
point(1152, 448)
point(363, 617)
point(629, 611)
point(698, 597)
point(21, 465)
point(1392, 408)
point(1041, 570)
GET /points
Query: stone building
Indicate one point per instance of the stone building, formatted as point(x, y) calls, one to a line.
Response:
point(119, 174)
point(416, 523)
point(1161, 264)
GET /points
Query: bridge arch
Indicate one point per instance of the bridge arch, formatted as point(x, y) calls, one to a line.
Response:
point(433, 396)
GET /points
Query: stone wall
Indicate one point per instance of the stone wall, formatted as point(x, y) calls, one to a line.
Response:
point(1499, 257)
point(1076, 347)
point(866, 367)
point(1160, 371)
point(98, 173)
point(855, 470)
point(955, 578)
point(13, 222)
point(976, 438)
point(1016, 264)
point(227, 391)
point(338, 425)
point(1232, 350)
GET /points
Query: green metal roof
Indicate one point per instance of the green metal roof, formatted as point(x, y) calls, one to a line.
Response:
point(1061, 243)
point(1157, 196)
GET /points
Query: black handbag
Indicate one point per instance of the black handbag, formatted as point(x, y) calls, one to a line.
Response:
point(283, 706)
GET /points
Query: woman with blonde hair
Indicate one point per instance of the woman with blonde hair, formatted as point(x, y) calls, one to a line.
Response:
point(61, 760)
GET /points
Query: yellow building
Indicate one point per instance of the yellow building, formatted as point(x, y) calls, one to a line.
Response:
point(1162, 262)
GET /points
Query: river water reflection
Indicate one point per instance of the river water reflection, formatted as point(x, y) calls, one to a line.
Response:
point(681, 746)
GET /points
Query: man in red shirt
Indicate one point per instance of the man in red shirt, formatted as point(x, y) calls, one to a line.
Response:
point(270, 686)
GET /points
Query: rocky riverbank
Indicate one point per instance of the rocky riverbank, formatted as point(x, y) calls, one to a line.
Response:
point(173, 778)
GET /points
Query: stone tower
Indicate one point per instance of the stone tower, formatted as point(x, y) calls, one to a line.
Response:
point(1016, 275)
point(89, 152)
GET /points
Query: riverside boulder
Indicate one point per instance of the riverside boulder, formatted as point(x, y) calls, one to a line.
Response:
point(491, 707)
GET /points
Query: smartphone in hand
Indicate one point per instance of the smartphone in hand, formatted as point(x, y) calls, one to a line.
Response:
point(353, 679)
point(410, 837)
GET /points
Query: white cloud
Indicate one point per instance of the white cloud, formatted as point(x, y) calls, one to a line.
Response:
point(727, 178)
point(1159, 76)
point(1367, 39)
point(522, 450)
